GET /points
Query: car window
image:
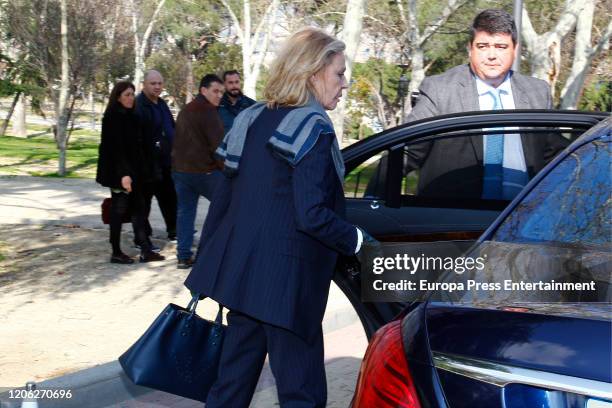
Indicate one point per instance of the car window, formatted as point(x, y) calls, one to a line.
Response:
point(467, 169)
point(559, 235)
point(572, 205)
point(368, 179)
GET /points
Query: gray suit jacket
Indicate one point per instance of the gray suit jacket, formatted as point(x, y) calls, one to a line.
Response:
point(453, 167)
point(455, 91)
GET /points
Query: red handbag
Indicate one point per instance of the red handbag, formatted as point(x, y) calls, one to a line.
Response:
point(106, 210)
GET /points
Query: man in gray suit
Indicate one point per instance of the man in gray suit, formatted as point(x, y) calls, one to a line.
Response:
point(490, 166)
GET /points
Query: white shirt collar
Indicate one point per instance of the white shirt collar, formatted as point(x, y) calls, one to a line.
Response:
point(482, 87)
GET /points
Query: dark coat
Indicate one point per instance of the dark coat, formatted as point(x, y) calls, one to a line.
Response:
point(273, 233)
point(198, 133)
point(154, 134)
point(123, 151)
point(453, 167)
point(228, 112)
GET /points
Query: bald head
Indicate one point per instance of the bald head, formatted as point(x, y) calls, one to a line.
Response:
point(152, 84)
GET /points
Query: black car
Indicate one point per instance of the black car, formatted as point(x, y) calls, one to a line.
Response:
point(482, 348)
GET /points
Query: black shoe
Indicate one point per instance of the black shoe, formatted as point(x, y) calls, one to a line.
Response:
point(154, 248)
point(172, 238)
point(185, 263)
point(121, 259)
point(151, 257)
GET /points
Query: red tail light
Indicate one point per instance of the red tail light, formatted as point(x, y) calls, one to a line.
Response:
point(384, 380)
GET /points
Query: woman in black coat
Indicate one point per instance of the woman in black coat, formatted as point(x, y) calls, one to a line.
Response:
point(125, 165)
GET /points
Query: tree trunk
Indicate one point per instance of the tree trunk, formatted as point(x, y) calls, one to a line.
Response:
point(584, 53)
point(351, 33)
point(417, 75)
point(189, 83)
point(92, 104)
point(64, 93)
point(418, 40)
point(249, 83)
point(9, 114)
point(250, 65)
point(138, 63)
point(62, 160)
point(270, 22)
point(138, 66)
point(544, 50)
point(19, 120)
point(545, 58)
point(140, 44)
point(380, 108)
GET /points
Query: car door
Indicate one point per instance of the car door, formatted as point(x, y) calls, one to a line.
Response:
point(384, 197)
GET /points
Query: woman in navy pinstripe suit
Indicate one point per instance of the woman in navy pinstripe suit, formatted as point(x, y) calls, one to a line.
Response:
point(275, 228)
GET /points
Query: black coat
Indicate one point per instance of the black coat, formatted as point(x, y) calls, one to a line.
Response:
point(122, 151)
point(154, 134)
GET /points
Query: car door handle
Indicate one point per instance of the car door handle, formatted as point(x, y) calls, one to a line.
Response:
point(375, 205)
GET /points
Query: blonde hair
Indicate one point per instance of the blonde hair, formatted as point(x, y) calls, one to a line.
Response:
point(306, 53)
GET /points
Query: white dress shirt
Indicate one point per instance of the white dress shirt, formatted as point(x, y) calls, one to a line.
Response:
point(514, 157)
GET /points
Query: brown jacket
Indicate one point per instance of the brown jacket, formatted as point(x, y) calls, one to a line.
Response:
point(199, 131)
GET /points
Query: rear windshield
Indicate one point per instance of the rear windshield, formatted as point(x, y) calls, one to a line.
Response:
point(555, 246)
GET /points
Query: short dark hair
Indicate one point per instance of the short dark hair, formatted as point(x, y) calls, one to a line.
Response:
point(208, 79)
point(230, 72)
point(494, 21)
point(118, 89)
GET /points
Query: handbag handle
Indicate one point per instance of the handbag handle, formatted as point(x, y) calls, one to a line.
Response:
point(193, 304)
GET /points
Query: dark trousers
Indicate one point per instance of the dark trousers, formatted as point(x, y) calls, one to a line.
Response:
point(298, 366)
point(128, 203)
point(166, 199)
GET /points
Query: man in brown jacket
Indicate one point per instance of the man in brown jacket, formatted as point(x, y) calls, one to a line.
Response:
point(195, 170)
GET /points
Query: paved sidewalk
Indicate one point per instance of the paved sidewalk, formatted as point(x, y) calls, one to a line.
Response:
point(344, 350)
point(66, 313)
point(41, 200)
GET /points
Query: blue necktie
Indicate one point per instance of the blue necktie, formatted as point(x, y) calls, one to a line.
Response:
point(492, 187)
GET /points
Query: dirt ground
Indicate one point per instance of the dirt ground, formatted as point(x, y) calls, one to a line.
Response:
point(64, 307)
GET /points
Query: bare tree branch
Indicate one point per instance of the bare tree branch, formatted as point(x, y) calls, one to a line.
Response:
point(429, 65)
point(604, 40)
point(527, 31)
point(271, 7)
point(400, 8)
point(271, 19)
point(567, 20)
point(234, 19)
point(386, 25)
point(451, 7)
point(147, 33)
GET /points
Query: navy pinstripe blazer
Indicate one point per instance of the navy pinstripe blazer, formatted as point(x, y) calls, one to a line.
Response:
point(273, 233)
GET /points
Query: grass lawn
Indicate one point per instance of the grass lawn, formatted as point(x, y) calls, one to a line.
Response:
point(38, 156)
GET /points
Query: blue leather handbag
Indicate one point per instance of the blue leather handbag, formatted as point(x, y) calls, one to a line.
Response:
point(179, 353)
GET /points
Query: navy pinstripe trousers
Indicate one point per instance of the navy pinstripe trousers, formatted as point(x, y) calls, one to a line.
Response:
point(298, 367)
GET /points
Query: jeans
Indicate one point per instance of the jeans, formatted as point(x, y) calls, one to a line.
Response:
point(189, 187)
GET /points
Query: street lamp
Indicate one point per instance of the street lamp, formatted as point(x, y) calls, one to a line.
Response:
point(402, 91)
